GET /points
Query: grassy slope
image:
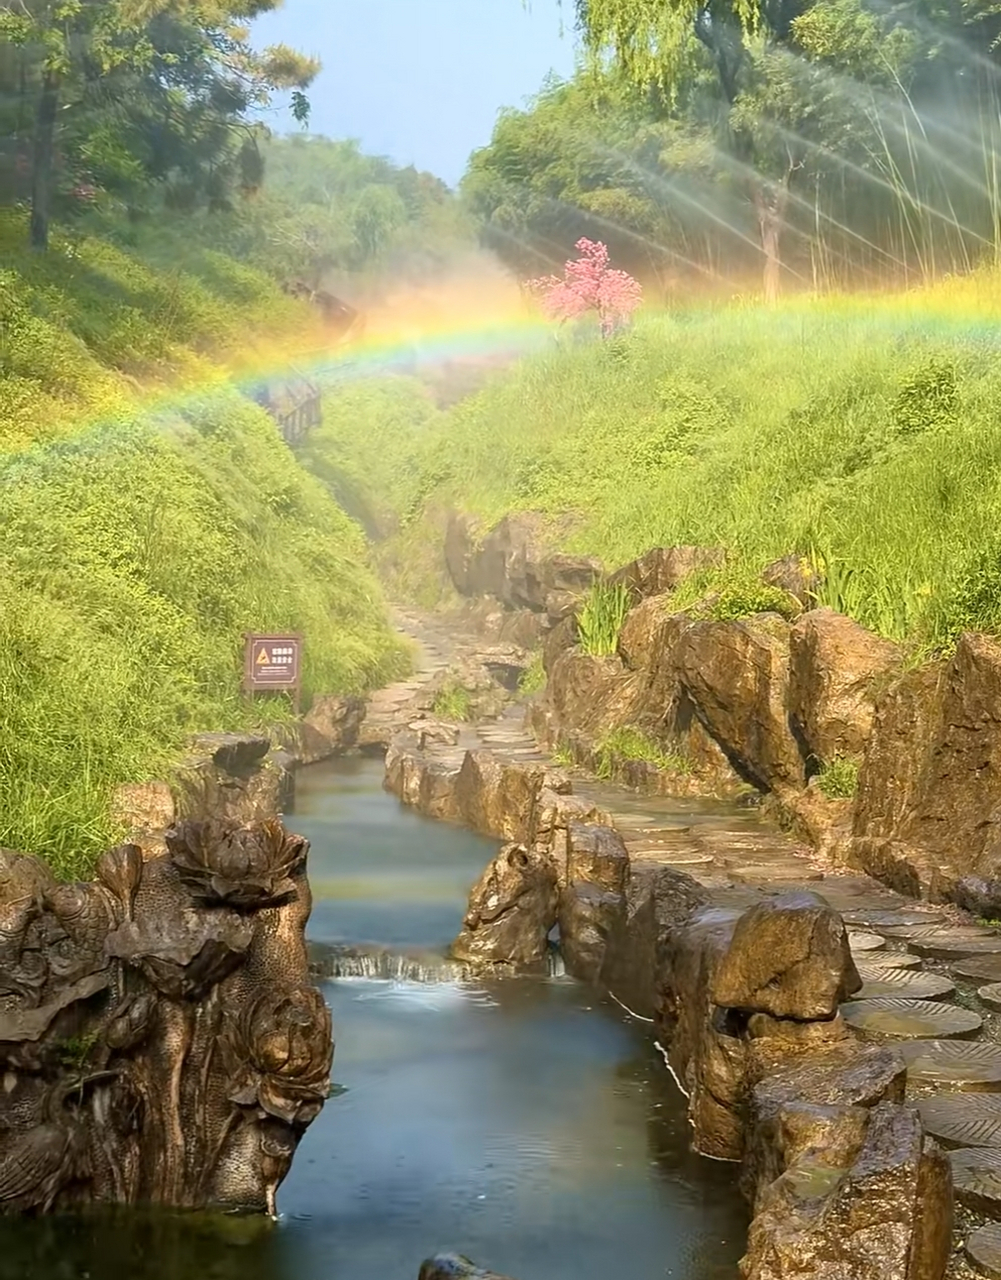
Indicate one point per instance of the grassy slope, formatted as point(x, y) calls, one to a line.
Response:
point(137, 546)
point(864, 431)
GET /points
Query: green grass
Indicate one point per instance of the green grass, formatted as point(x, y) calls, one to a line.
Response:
point(838, 778)
point(862, 433)
point(600, 619)
point(629, 743)
point(453, 702)
point(533, 678)
point(136, 547)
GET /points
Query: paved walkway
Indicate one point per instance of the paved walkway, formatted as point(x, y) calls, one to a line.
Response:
point(932, 975)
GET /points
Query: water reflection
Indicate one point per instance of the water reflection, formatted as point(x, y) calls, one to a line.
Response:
point(523, 1123)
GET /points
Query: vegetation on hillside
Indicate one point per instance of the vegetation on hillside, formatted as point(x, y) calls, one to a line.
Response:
point(827, 142)
point(859, 432)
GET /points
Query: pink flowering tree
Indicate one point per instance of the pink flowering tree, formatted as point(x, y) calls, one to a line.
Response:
point(589, 284)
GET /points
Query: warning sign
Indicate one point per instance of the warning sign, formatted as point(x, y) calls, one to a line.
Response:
point(272, 662)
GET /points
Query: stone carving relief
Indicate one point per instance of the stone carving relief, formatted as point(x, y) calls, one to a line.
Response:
point(160, 1041)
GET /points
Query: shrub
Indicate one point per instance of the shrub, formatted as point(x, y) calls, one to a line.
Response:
point(630, 743)
point(533, 678)
point(837, 779)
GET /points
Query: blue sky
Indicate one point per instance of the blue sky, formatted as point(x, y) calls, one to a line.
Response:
point(421, 81)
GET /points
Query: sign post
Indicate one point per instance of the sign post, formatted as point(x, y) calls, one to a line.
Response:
point(272, 663)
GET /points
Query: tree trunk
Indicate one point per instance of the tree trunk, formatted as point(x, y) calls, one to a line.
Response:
point(770, 201)
point(42, 160)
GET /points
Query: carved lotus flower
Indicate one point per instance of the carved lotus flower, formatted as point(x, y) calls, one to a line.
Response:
point(186, 956)
point(120, 870)
point(280, 1050)
point(244, 867)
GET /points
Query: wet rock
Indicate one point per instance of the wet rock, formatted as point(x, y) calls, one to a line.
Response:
point(561, 638)
point(512, 909)
point(788, 957)
point(453, 1266)
point(927, 814)
point(834, 667)
point(659, 903)
point(588, 917)
point(662, 569)
point(329, 727)
point(737, 675)
point(888, 1214)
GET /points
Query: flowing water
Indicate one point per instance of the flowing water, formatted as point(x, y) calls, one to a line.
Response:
point(525, 1123)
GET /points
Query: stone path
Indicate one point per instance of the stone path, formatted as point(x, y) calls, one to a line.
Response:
point(932, 974)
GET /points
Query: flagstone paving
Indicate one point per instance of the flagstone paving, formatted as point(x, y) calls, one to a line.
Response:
point(932, 975)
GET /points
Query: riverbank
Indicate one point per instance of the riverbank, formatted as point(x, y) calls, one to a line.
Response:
point(488, 776)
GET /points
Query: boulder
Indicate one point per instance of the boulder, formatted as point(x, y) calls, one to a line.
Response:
point(330, 727)
point(659, 902)
point(593, 696)
point(788, 957)
point(664, 568)
point(927, 813)
point(834, 666)
point(794, 575)
point(513, 562)
point(512, 909)
point(849, 1075)
point(588, 917)
point(887, 1215)
point(460, 551)
point(453, 1266)
point(737, 676)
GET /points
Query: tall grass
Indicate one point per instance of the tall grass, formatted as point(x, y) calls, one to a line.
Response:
point(862, 431)
point(600, 618)
point(137, 548)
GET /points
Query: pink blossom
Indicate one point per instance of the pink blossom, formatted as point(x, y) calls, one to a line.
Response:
point(589, 284)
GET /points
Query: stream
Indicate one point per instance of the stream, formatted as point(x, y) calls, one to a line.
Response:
point(529, 1123)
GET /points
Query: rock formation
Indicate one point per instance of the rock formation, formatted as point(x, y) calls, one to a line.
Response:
point(160, 1040)
point(453, 1266)
point(512, 908)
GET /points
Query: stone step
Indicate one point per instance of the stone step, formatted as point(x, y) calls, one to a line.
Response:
point(991, 996)
point(906, 984)
point(961, 1065)
point(932, 928)
point(874, 963)
point(895, 1018)
point(963, 1119)
point(983, 1250)
point(976, 1179)
point(878, 918)
point(953, 945)
point(860, 940)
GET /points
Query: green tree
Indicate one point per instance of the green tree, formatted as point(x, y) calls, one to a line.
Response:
point(805, 89)
point(140, 89)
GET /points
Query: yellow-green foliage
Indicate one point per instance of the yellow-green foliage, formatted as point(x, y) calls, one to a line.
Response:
point(630, 743)
point(861, 432)
point(600, 618)
point(838, 778)
point(453, 702)
point(136, 548)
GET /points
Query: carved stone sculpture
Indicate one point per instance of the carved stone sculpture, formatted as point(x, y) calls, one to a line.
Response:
point(512, 908)
point(160, 1041)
